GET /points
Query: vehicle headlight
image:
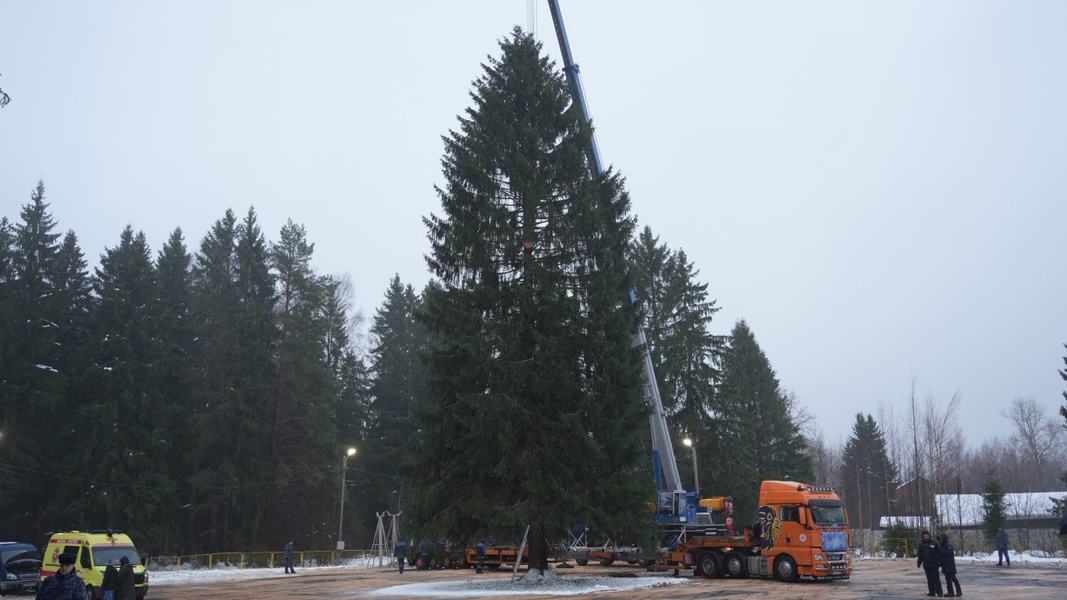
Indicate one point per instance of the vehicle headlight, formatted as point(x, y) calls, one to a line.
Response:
point(819, 557)
point(12, 576)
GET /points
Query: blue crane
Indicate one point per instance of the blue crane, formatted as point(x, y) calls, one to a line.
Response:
point(674, 504)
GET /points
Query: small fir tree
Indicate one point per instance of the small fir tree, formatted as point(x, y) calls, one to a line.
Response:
point(994, 509)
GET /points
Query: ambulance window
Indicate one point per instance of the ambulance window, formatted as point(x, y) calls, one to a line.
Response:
point(87, 558)
point(70, 550)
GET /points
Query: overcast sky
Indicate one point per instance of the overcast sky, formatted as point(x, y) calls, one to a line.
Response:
point(877, 188)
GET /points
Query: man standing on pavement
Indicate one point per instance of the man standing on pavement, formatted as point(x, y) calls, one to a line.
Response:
point(400, 551)
point(64, 584)
point(929, 559)
point(289, 558)
point(948, 566)
point(125, 583)
point(1002, 547)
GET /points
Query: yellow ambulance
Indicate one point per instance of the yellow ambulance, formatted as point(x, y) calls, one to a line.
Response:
point(92, 549)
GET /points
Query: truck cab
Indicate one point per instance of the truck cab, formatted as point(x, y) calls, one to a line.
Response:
point(802, 531)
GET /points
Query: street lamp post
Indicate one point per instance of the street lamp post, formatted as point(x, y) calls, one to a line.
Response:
point(696, 478)
point(341, 519)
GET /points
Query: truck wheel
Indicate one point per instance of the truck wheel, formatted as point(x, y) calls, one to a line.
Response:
point(581, 562)
point(734, 565)
point(606, 562)
point(709, 565)
point(785, 569)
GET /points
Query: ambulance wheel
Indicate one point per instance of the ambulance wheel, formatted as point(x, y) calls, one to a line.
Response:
point(734, 565)
point(89, 592)
point(785, 569)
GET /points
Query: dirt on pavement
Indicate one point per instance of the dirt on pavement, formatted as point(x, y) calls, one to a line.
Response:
point(871, 579)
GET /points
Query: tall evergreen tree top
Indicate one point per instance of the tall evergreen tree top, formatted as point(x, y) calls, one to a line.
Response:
point(536, 385)
point(36, 243)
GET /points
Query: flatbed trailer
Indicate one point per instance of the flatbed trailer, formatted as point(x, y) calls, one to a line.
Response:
point(495, 556)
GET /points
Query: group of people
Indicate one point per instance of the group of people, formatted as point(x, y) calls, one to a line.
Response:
point(443, 558)
point(65, 584)
point(933, 556)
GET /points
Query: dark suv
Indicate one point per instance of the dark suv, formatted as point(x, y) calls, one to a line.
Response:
point(20, 567)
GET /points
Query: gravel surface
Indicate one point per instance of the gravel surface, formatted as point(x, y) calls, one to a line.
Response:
point(871, 579)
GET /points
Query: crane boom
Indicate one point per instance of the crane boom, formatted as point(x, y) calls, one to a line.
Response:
point(663, 452)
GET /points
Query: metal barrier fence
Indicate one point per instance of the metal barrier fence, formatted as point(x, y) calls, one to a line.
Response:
point(864, 542)
point(966, 543)
point(270, 560)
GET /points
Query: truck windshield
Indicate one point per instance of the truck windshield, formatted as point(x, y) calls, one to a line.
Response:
point(828, 513)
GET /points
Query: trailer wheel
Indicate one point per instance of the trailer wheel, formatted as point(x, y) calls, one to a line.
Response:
point(785, 569)
point(606, 562)
point(709, 565)
point(581, 561)
point(734, 565)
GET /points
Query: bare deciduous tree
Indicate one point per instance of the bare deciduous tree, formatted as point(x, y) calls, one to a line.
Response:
point(1036, 437)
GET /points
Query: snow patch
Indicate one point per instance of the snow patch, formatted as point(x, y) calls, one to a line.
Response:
point(547, 584)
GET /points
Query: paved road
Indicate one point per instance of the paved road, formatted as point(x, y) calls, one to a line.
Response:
point(871, 580)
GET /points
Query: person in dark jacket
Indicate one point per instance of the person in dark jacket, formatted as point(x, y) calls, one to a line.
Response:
point(424, 556)
point(1002, 547)
point(288, 558)
point(111, 578)
point(124, 583)
point(400, 551)
point(479, 549)
point(929, 559)
point(947, 556)
point(439, 554)
point(64, 584)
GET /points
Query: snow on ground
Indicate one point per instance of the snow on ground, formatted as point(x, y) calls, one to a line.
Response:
point(1025, 557)
point(549, 585)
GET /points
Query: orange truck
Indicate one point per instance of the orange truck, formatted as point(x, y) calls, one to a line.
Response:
point(800, 530)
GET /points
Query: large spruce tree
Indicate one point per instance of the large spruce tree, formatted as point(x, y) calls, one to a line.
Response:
point(1059, 507)
point(124, 474)
point(677, 316)
point(232, 402)
point(303, 429)
point(34, 372)
point(869, 477)
point(536, 387)
point(758, 439)
point(400, 343)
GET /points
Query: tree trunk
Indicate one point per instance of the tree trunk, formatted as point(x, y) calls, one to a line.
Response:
point(538, 544)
